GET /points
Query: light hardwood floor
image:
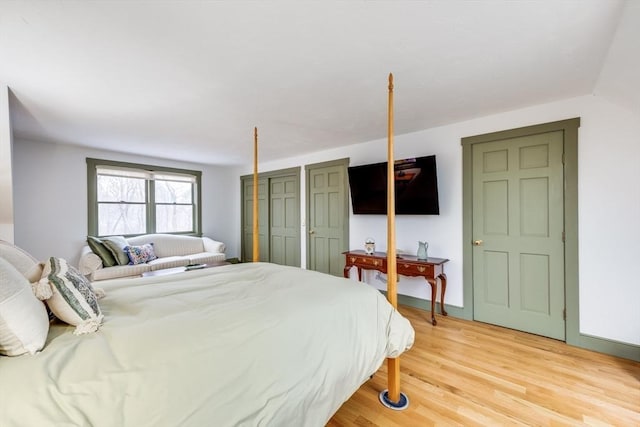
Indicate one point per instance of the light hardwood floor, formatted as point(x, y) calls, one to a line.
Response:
point(469, 373)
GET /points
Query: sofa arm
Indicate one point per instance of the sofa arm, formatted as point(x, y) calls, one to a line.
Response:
point(213, 246)
point(89, 262)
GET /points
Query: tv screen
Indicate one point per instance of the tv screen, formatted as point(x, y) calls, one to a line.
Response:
point(416, 187)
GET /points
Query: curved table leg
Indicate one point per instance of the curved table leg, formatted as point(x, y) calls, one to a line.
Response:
point(443, 284)
point(434, 286)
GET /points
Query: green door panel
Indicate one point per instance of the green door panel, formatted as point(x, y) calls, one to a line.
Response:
point(278, 217)
point(327, 216)
point(518, 224)
point(285, 221)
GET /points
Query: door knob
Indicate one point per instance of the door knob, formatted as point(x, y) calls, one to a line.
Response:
point(312, 232)
point(477, 242)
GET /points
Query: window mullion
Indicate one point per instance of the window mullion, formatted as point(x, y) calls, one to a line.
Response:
point(151, 206)
point(194, 214)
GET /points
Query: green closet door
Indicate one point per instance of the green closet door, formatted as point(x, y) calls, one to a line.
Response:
point(285, 220)
point(327, 216)
point(518, 255)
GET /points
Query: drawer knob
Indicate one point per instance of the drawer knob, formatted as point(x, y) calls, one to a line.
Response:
point(421, 269)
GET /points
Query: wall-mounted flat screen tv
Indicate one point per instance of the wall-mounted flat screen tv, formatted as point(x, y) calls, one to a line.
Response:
point(416, 184)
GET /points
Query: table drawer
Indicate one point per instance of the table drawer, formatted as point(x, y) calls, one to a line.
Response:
point(411, 269)
point(365, 262)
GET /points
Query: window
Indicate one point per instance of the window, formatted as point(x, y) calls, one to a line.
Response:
point(130, 199)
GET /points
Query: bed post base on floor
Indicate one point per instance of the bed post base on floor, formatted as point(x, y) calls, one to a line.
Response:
point(401, 404)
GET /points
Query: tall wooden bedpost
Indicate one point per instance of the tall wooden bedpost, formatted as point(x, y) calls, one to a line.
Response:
point(392, 397)
point(256, 248)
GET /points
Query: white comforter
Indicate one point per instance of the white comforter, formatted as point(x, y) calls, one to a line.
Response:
point(246, 344)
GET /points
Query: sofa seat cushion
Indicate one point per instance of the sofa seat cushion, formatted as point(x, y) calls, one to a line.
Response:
point(205, 258)
point(118, 271)
point(169, 245)
point(168, 262)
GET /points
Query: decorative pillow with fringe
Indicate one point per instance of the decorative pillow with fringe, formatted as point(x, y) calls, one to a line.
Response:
point(70, 296)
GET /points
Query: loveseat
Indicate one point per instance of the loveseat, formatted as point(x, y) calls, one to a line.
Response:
point(171, 251)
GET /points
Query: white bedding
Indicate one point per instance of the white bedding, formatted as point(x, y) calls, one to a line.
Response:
point(248, 344)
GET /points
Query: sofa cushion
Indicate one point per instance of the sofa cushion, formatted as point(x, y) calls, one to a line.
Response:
point(140, 254)
point(118, 271)
point(24, 323)
point(205, 258)
point(168, 262)
point(116, 245)
point(98, 248)
point(166, 245)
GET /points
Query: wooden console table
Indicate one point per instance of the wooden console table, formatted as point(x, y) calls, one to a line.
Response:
point(431, 269)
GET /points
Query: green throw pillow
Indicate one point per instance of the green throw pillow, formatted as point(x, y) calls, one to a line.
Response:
point(116, 245)
point(102, 251)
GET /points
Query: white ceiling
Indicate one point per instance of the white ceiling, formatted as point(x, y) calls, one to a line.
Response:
point(189, 80)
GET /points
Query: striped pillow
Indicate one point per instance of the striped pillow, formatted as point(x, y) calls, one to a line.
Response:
point(71, 298)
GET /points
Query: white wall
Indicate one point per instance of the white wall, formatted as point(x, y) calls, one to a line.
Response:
point(50, 187)
point(51, 207)
point(609, 206)
point(6, 178)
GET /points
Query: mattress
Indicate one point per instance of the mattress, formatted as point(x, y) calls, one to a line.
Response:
point(254, 344)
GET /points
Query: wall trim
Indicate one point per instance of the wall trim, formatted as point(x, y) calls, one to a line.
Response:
point(600, 345)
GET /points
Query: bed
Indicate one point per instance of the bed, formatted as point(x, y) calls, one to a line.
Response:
point(253, 344)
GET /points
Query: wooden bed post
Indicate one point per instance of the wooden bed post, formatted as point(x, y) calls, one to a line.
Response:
point(256, 248)
point(392, 397)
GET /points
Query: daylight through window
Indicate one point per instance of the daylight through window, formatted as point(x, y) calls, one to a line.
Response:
point(139, 199)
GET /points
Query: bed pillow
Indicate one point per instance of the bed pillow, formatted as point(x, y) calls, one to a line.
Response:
point(24, 323)
point(34, 273)
point(70, 296)
point(116, 245)
point(140, 254)
point(102, 251)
